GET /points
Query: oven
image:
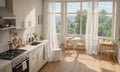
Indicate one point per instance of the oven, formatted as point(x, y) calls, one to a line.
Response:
point(22, 66)
point(19, 59)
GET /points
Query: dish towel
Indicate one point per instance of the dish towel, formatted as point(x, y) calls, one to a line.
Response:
point(45, 54)
point(24, 65)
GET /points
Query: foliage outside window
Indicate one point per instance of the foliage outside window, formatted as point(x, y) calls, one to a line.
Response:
point(58, 16)
point(73, 17)
point(105, 19)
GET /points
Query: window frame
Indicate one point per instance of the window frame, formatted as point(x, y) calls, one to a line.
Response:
point(113, 16)
point(71, 13)
point(81, 2)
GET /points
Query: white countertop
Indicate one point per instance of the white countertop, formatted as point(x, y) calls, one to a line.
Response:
point(32, 47)
point(4, 63)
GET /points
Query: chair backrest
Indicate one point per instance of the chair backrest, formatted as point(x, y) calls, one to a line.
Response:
point(82, 40)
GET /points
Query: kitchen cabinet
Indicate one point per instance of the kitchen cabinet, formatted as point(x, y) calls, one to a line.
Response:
point(36, 59)
point(7, 69)
point(32, 60)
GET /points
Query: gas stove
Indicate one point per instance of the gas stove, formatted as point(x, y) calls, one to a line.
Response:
point(19, 59)
point(10, 54)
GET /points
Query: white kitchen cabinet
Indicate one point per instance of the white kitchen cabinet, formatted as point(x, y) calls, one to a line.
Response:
point(36, 59)
point(56, 54)
point(7, 69)
point(32, 60)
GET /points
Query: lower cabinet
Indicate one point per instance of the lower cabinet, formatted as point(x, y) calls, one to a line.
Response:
point(7, 69)
point(36, 59)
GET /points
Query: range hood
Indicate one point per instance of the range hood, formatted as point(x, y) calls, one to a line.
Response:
point(6, 14)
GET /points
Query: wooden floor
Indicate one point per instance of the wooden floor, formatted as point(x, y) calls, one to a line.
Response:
point(81, 62)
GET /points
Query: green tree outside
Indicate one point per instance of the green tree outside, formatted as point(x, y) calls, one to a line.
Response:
point(73, 26)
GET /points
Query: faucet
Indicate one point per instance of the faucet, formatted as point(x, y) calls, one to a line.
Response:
point(29, 38)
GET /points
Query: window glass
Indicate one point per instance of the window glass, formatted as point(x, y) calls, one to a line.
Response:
point(105, 25)
point(71, 24)
point(107, 6)
point(73, 7)
point(58, 16)
point(58, 7)
point(84, 6)
point(58, 22)
point(105, 19)
point(73, 17)
point(84, 16)
point(84, 20)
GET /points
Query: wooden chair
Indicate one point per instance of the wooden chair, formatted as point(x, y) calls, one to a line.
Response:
point(69, 45)
point(80, 45)
point(110, 50)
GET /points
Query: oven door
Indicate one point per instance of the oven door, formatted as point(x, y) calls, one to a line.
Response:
point(22, 67)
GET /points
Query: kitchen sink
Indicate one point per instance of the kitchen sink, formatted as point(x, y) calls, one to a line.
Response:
point(35, 43)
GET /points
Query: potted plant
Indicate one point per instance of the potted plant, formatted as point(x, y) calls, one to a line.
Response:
point(35, 36)
point(118, 41)
point(41, 38)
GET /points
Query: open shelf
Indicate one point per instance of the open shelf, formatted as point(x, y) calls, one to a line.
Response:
point(7, 28)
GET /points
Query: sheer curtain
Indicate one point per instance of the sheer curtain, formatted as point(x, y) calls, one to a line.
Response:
point(92, 28)
point(49, 25)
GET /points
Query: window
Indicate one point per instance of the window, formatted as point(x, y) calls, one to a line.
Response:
point(73, 17)
point(58, 16)
point(105, 19)
point(76, 17)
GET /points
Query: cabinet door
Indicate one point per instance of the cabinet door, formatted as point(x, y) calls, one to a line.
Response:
point(40, 57)
point(33, 61)
point(7, 69)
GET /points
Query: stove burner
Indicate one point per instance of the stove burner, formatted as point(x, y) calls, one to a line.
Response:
point(10, 54)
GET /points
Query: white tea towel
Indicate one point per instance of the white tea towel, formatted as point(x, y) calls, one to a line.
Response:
point(24, 65)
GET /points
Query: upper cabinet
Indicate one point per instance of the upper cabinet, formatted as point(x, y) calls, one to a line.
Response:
point(2, 3)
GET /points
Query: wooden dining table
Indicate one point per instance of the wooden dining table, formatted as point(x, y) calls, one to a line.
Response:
point(74, 41)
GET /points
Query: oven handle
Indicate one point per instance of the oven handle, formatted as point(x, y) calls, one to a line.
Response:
point(18, 66)
point(21, 63)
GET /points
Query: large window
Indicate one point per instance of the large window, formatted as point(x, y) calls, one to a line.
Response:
point(76, 17)
point(58, 16)
point(73, 17)
point(105, 19)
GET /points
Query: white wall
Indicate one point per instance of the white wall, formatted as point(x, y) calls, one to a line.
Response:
point(117, 27)
point(26, 12)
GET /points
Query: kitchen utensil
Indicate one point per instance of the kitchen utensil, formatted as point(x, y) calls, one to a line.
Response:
point(15, 41)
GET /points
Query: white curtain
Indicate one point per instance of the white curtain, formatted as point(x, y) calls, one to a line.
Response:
point(49, 25)
point(92, 28)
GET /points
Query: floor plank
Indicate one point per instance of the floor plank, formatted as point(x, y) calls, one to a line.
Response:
point(81, 62)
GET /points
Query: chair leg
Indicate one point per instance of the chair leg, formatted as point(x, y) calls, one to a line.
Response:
point(113, 56)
